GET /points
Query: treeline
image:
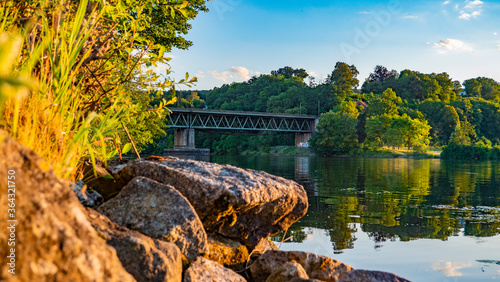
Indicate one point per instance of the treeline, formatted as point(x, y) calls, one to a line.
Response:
point(391, 109)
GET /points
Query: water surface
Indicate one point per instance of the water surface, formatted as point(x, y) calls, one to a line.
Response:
point(426, 220)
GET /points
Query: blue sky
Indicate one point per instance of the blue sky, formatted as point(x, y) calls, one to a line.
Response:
point(238, 39)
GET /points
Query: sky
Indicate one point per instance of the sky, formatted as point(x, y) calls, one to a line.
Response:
point(238, 39)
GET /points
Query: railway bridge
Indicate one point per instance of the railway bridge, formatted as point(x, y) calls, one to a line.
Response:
point(185, 121)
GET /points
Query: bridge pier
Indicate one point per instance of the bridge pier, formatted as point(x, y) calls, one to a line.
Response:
point(184, 138)
point(302, 138)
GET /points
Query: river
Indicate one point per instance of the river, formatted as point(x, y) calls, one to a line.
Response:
point(423, 219)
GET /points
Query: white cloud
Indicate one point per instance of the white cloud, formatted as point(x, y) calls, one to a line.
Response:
point(410, 17)
point(498, 47)
point(446, 2)
point(468, 16)
point(222, 76)
point(450, 269)
point(471, 10)
point(449, 45)
point(234, 73)
point(495, 34)
point(364, 12)
point(474, 4)
point(200, 74)
point(242, 72)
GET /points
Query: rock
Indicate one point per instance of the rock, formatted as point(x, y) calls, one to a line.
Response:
point(54, 241)
point(203, 270)
point(317, 267)
point(264, 246)
point(287, 272)
point(86, 196)
point(145, 258)
point(243, 204)
point(227, 252)
point(361, 275)
point(158, 211)
point(101, 180)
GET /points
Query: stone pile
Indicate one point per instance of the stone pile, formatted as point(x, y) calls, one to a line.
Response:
point(162, 219)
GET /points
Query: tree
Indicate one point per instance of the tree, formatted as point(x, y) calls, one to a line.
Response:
point(165, 21)
point(408, 132)
point(380, 74)
point(376, 127)
point(482, 87)
point(464, 134)
point(336, 131)
point(344, 76)
point(289, 72)
point(472, 87)
point(387, 104)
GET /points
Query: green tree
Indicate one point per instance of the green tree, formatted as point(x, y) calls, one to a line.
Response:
point(464, 134)
point(165, 22)
point(408, 132)
point(336, 131)
point(376, 128)
point(289, 72)
point(472, 87)
point(388, 103)
point(344, 80)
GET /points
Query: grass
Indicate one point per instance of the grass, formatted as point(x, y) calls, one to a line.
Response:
point(50, 118)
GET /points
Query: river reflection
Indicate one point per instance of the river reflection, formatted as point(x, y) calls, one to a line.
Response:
point(390, 203)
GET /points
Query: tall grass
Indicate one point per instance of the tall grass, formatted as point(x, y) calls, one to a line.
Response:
point(51, 118)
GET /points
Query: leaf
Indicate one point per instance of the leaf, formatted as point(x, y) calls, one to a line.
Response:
point(126, 148)
point(108, 176)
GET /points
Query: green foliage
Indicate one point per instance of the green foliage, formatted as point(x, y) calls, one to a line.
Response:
point(464, 134)
point(411, 99)
point(165, 22)
point(407, 132)
point(397, 131)
point(336, 131)
point(376, 128)
point(470, 152)
point(86, 60)
point(482, 87)
point(388, 103)
point(289, 72)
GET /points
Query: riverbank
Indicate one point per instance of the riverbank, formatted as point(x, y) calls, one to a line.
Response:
point(359, 153)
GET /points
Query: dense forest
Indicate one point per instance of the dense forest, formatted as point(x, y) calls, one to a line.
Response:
point(391, 109)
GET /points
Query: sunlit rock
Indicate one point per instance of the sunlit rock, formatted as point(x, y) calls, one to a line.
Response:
point(243, 204)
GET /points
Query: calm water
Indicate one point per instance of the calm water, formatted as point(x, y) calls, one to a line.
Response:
point(426, 220)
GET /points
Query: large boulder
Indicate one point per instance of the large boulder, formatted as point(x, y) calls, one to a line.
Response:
point(158, 211)
point(288, 271)
point(361, 275)
point(145, 258)
point(50, 238)
point(227, 252)
point(316, 266)
point(275, 266)
point(243, 204)
point(203, 270)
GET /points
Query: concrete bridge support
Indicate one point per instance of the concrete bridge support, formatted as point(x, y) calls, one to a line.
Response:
point(184, 138)
point(301, 139)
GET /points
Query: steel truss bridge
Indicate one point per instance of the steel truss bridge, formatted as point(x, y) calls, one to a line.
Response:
point(186, 120)
point(235, 121)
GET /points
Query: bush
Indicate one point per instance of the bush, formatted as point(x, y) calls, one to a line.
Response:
point(470, 152)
